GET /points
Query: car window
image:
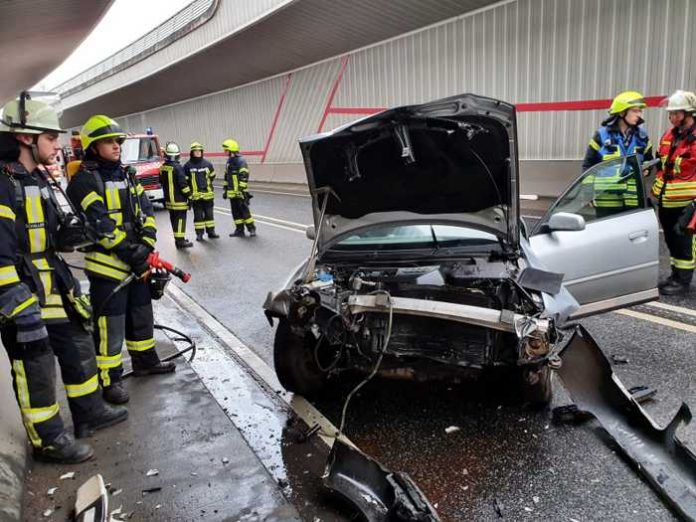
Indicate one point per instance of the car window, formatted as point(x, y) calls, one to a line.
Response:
point(414, 236)
point(607, 189)
point(139, 149)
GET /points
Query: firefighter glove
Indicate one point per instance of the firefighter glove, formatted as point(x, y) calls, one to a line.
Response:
point(82, 305)
point(138, 260)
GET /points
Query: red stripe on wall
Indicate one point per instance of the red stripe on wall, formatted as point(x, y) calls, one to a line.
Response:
point(243, 152)
point(332, 93)
point(275, 118)
point(579, 105)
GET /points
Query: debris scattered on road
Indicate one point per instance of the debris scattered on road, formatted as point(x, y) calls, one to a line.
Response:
point(68, 476)
point(151, 490)
point(452, 429)
point(194, 474)
point(528, 509)
point(117, 512)
point(498, 506)
point(48, 513)
point(152, 472)
point(225, 460)
point(51, 492)
point(619, 359)
point(569, 414)
point(117, 492)
point(158, 506)
point(465, 471)
point(535, 499)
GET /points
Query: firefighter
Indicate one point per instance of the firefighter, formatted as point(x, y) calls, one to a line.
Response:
point(620, 135)
point(116, 206)
point(42, 304)
point(200, 174)
point(236, 189)
point(675, 189)
point(176, 193)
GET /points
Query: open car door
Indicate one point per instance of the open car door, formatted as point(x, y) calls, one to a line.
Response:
point(602, 234)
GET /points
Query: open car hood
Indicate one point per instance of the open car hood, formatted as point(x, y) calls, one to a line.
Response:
point(450, 161)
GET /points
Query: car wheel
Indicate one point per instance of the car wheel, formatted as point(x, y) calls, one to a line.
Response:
point(535, 386)
point(295, 366)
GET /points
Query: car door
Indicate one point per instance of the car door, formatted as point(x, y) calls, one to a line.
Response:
point(603, 238)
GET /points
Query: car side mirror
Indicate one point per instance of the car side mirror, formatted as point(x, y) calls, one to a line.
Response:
point(311, 232)
point(566, 221)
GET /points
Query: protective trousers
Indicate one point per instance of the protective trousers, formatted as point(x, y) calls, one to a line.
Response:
point(203, 218)
point(241, 213)
point(178, 219)
point(682, 247)
point(125, 315)
point(34, 378)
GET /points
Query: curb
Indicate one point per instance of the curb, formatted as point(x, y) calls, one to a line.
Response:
point(13, 449)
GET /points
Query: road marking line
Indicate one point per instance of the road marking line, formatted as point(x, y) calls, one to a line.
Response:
point(252, 189)
point(269, 218)
point(301, 406)
point(267, 223)
point(658, 320)
point(672, 308)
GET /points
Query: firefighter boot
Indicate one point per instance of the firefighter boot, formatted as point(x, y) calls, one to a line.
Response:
point(238, 232)
point(674, 287)
point(64, 450)
point(108, 416)
point(182, 243)
point(160, 367)
point(252, 230)
point(212, 234)
point(669, 279)
point(199, 235)
point(115, 393)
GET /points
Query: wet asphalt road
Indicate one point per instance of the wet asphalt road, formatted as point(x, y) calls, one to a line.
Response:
point(502, 454)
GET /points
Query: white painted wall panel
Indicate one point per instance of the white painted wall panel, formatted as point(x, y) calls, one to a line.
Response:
point(521, 51)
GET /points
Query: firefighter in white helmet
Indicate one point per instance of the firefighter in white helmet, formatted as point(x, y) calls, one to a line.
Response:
point(675, 189)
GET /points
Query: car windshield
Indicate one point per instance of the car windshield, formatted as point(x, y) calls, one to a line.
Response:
point(135, 150)
point(415, 236)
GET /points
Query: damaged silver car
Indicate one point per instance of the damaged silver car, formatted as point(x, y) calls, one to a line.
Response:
point(422, 266)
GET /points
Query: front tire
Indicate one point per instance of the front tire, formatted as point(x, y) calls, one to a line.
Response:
point(295, 366)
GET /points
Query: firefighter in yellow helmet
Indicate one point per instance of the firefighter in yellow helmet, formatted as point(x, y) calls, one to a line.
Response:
point(620, 135)
point(236, 189)
point(41, 303)
point(200, 174)
point(177, 193)
point(116, 206)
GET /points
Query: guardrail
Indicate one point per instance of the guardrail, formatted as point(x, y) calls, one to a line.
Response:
point(189, 18)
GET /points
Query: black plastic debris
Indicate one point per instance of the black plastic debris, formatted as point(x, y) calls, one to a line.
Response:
point(379, 494)
point(657, 454)
point(619, 359)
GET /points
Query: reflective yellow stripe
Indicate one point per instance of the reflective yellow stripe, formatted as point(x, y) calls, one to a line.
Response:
point(90, 198)
point(8, 275)
point(36, 415)
point(105, 271)
point(149, 241)
point(109, 260)
point(80, 390)
point(26, 304)
point(24, 401)
point(140, 346)
point(7, 213)
point(119, 236)
point(52, 312)
point(35, 220)
point(150, 222)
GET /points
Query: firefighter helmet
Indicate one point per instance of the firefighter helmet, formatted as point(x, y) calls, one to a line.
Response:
point(196, 146)
point(100, 127)
point(681, 101)
point(28, 116)
point(172, 151)
point(230, 145)
point(627, 100)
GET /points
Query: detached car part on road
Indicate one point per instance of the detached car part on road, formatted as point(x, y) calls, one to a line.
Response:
point(422, 263)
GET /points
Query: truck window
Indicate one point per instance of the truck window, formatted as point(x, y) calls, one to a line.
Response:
point(135, 150)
